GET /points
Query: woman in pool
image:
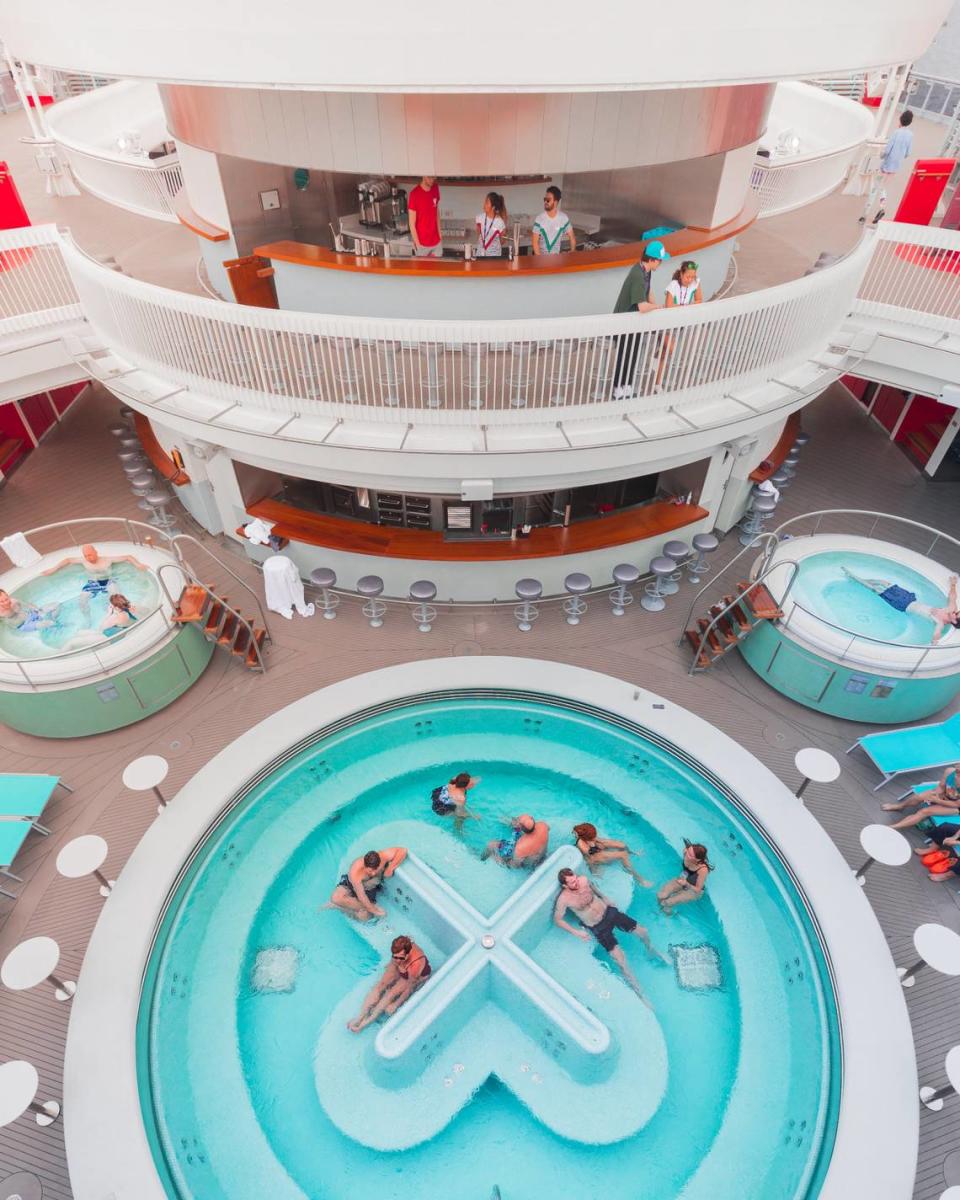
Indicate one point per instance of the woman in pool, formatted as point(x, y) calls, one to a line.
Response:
point(598, 851)
point(904, 601)
point(690, 885)
point(943, 801)
point(26, 618)
point(120, 614)
point(452, 798)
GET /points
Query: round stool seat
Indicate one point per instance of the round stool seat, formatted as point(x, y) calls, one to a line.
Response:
point(662, 566)
point(423, 590)
point(369, 585)
point(323, 577)
point(129, 456)
point(130, 442)
point(119, 430)
point(625, 573)
point(791, 460)
point(134, 466)
point(158, 499)
point(779, 479)
point(801, 439)
point(705, 543)
point(529, 589)
point(764, 504)
point(127, 413)
point(576, 583)
point(676, 550)
point(143, 480)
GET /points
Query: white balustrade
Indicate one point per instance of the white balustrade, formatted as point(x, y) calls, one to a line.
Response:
point(913, 277)
point(791, 183)
point(35, 285)
point(136, 184)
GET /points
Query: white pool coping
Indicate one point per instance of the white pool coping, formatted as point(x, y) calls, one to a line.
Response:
point(877, 1135)
point(886, 658)
point(114, 654)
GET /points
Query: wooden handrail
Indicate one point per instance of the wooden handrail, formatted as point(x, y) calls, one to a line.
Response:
point(193, 221)
point(780, 451)
point(164, 464)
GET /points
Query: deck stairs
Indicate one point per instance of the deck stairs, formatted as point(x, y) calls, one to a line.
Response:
point(729, 621)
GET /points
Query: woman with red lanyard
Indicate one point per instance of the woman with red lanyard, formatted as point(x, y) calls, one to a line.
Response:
point(491, 225)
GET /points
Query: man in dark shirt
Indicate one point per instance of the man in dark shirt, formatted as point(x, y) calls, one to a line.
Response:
point(634, 297)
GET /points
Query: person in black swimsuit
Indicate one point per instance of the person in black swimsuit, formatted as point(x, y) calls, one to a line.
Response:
point(356, 891)
point(688, 886)
point(598, 851)
point(452, 798)
point(408, 969)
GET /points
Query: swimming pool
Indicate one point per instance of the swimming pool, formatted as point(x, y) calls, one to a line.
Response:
point(74, 616)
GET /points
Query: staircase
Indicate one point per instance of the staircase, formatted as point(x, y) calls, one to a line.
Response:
point(729, 621)
point(199, 604)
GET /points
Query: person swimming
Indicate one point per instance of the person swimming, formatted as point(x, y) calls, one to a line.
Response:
point(524, 846)
point(451, 798)
point(906, 602)
point(26, 617)
point(598, 851)
point(120, 614)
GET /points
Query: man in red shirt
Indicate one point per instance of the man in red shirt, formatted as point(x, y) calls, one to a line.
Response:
point(423, 204)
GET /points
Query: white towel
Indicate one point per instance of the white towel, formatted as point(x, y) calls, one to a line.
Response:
point(284, 587)
point(19, 551)
point(258, 532)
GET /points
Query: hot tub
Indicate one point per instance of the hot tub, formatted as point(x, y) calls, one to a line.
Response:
point(839, 647)
point(61, 675)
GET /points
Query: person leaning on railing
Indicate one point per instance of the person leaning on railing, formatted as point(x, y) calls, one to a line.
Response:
point(635, 296)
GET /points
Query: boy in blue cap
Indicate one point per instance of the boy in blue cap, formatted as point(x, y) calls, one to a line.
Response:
point(635, 297)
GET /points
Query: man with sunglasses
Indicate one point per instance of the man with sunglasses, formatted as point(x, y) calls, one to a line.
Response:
point(552, 226)
point(635, 297)
point(407, 970)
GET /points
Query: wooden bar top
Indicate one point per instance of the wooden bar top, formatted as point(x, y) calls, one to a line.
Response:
point(387, 541)
point(780, 451)
point(681, 244)
point(193, 221)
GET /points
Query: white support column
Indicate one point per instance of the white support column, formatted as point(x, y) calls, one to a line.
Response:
point(57, 177)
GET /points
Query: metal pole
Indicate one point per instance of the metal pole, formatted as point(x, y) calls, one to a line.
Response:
point(863, 870)
point(906, 979)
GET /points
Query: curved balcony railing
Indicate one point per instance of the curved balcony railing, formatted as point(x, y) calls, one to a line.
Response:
point(35, 286)
point(79, 126)
point(784, 185)
point(913, 278)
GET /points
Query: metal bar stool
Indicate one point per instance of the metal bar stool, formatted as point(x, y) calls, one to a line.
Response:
point(624, 576)
point(373, 609)
point(528, 591)
point(703, 544)
point(752, 524)
point(388, 374)
point(131, 457)
point(158, 501)
point(575, 584)
point(653, 601)
point(324, 579)
point(123, 430)
point(142, 485)
point(474, 374)
point(800, 440)
point(678, 551)
point(431, 376)
point(561, 373)
point(789, 464)
point(423, 591)
point(781, 479)
point(519, 374)
point(601, 370)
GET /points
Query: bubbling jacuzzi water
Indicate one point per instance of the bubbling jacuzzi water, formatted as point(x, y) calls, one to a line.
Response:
point(251, 1084)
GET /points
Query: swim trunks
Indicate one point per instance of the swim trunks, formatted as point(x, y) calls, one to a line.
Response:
point(898, 597)
point(31, 622)
point(347, 882)
point(441, 803)
point(612, 919)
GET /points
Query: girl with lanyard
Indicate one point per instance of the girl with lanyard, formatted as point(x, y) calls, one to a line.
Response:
point(683, 290)
point(491, 225)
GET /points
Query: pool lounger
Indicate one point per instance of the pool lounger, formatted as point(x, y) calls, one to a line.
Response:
point(923, 748)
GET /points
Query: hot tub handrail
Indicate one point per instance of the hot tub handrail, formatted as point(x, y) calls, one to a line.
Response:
point(188, 537)
point(184, 569)
point(865, 512)
point(765, 542)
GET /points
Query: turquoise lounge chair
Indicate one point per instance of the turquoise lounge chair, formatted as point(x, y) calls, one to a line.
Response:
point(924, 748)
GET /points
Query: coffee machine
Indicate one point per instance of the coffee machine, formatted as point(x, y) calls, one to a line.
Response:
point(382, 205)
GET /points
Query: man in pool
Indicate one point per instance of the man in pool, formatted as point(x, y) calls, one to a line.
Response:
point(601, 918)
point(904, 601)
point(26, 618)
point(98, 566)
point(356, 893)
point(525, 846)
point(407, 970)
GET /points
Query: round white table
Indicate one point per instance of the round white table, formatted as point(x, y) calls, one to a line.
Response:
point(952, 1193)
point(938, 947)
point(883, 845)
point(145, 775)
point(933, 1098)
point(816, 766)
point(31, 963)
point(18, 1089)
point(22, 1186)
point(84, 856)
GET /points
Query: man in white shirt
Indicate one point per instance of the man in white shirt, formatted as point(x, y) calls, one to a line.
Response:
point(552, 226)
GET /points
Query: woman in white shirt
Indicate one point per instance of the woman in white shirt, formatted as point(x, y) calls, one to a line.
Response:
point(491, 225)
point(682, 290)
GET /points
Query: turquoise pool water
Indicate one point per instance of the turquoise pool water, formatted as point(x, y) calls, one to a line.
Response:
point(248, 1075)
point(824, 589)
point(74, 615)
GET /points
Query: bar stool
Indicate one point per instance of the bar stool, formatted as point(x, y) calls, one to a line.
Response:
point(703, 544)
point(85, 855)
point(129, 457)
point(678, 551)
point(789, 464)
point(575, 584)
point(624, 576)
point(752, 525)
point(423, 591)
point(126, 413)
point(801, 440)
point(373, 609)
point(130, 442)
point(529, 591)
point(324, 578)
point(158, 501)
point(938, 947)
point(120, 431)
point(781, 479)
point(19, 1083)
point(34, 961)
point(933, 1098)
point(474, 374)
point(561, 371)
point(388, 373)
point(519, 373)
point(133, 465)
point(653, 600)
point(145, 774)
point(142, 484)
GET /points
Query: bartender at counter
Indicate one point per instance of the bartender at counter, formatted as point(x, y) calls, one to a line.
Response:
point(552, 226)
point(423, 205)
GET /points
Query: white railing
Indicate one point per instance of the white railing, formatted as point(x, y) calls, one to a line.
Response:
point(933, 97)
point(852, 85)
point(35, 285)
point(913, 278)
point(784, 186)
point(143, 186)
point(460, 373)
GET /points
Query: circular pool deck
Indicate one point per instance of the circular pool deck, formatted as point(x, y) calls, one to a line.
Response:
point(875, 1147)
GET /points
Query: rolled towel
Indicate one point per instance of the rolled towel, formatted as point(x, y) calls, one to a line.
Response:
point(19, 551)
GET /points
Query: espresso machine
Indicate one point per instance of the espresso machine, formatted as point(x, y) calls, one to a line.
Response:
point(382, 205)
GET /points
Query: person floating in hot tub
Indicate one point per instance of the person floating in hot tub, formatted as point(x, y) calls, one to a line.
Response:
point(602, 919)
point(525, 846)
point(26, 618)
point(408, 969)
point(356, 893)
point(452, 798)
point(98, 566)
point(904, 601)
point(120, 614)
